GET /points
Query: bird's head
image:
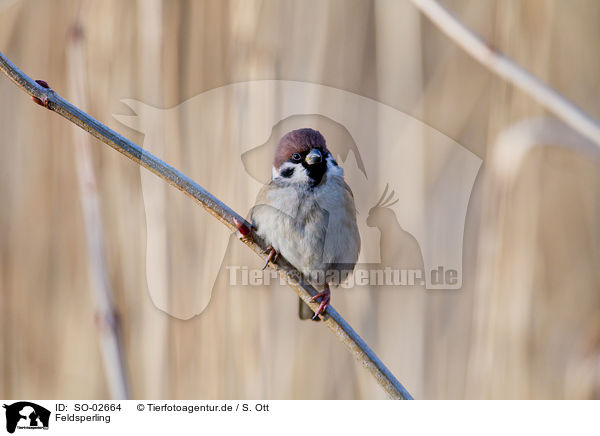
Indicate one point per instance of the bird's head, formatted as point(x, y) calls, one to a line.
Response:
point(302, 157)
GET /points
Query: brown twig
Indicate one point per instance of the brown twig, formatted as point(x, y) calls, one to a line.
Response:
point(343, 331)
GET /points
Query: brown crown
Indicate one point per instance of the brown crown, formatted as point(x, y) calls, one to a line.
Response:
point(298, 141)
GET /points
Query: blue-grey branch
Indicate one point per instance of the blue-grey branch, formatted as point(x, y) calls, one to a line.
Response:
point(345, 333)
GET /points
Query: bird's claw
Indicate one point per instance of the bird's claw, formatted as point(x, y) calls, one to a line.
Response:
point(272, 257)
point(325, 299)
point(244, 230)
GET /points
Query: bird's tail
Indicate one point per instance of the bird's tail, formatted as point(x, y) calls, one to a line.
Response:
point(304, 311)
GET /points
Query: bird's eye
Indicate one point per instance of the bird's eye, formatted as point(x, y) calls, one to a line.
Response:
point(296, 157)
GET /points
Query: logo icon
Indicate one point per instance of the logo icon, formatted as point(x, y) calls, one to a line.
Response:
point(26, 415)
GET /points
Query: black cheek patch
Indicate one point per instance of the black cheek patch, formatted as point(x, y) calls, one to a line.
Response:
point(287, 173)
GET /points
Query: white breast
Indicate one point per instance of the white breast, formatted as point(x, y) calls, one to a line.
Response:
point(314, 230)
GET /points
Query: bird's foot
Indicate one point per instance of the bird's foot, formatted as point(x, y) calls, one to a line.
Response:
point(244, 229)
point(325, 297)
point(272, 257)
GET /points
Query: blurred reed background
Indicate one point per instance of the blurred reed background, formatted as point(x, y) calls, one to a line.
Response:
point(526, 323)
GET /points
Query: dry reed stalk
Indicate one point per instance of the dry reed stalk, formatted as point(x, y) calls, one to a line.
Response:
point(107, 320)
point(509, 152)
point(510, 70)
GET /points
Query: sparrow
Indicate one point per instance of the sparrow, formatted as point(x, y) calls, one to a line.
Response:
point(307, 214)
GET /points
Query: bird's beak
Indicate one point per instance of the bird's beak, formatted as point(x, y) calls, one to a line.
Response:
point(313, 157)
